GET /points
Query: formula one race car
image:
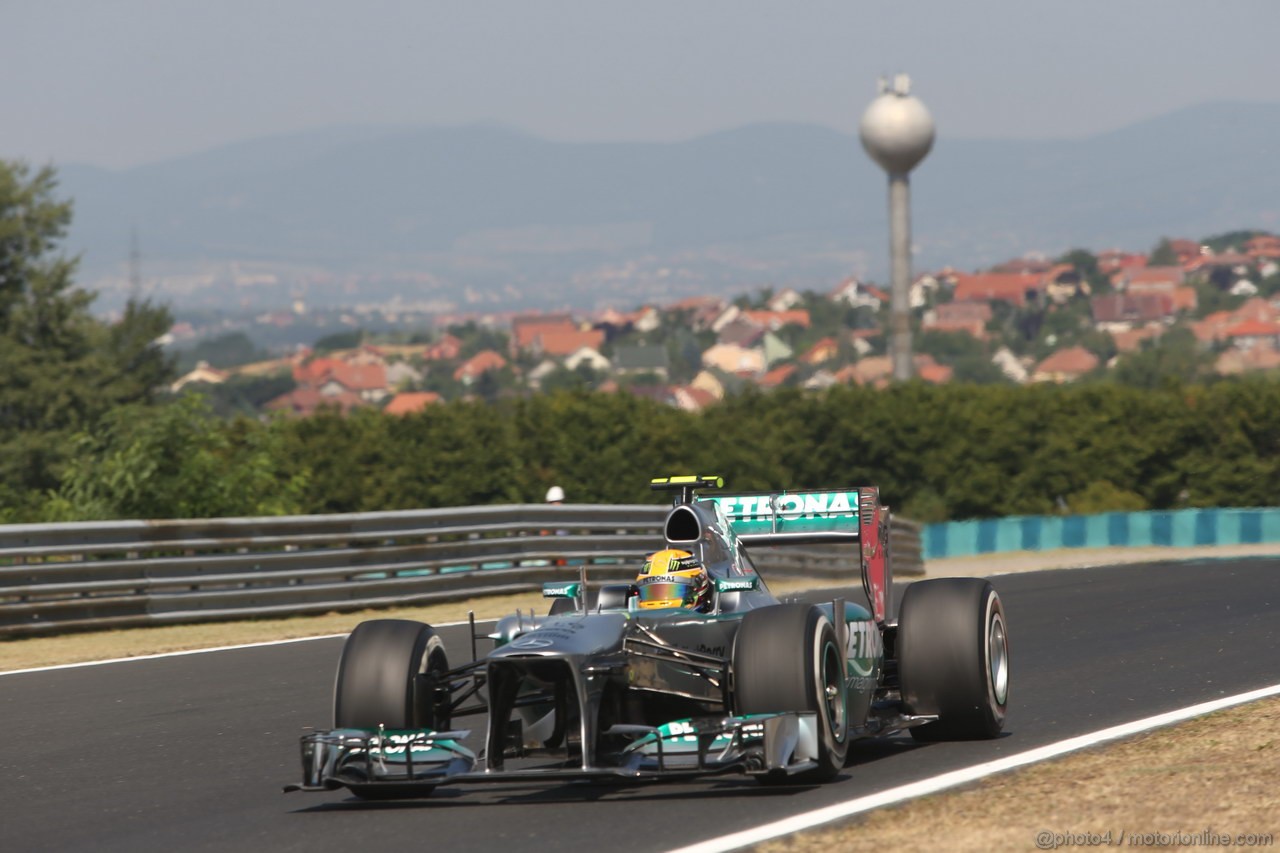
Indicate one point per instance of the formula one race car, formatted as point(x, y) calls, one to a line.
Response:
point(695, 669)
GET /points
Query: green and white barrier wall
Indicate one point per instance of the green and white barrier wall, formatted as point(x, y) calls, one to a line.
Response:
point(1178, 528)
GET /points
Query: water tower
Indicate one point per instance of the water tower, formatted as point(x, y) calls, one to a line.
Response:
point(897, 132)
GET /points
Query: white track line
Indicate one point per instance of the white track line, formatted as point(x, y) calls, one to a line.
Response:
point(204, 651)
point(902, 793)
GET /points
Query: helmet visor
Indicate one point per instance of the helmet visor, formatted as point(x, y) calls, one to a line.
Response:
point(669, 593)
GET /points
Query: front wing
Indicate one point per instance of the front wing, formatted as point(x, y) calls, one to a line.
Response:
point(418, 760)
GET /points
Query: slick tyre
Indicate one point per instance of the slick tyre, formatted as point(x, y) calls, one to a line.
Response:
point(390, 674)
point(786, 658)
point(953, 658)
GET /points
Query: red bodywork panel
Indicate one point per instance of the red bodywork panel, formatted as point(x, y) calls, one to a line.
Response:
point(874, 519)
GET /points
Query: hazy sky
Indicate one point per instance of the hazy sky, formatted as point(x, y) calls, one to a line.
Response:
point(121, 82)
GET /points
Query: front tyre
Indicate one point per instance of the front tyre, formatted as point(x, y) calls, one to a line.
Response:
point(391, 674)
point(953, 658)
point(785, 658)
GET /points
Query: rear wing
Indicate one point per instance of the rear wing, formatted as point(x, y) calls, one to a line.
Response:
point(813, 517)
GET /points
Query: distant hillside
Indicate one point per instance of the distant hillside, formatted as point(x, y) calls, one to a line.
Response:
point(485, 205)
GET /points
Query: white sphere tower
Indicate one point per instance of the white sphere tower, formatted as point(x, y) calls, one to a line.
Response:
point(897, 132)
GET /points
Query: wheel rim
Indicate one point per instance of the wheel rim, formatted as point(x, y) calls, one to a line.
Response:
point(833, 690)
point(998, 659)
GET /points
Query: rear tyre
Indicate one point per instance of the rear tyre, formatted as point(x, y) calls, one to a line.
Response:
point(953, 658)
point(785, 658)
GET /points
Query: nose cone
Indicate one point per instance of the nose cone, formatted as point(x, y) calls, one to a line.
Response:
point(897, 132)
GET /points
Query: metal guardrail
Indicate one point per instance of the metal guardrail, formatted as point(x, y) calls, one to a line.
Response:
point(64, 577)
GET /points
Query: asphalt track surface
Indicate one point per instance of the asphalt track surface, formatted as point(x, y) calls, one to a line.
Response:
point(189, 753)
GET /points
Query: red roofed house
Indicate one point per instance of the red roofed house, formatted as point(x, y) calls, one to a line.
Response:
point(1065, 365)
point(696, 303)
point(525, 330)
point(367, 354)
point(482, 362)
point(1263, 246)
point(1251, 333)
point(691, 398)
point(332, 378)
point(446, 349)
point(1150, 280)
point(777, 376)
point(409, 402)
point(936, 374)
point(1016, 288)
point(1186, 250)
point(878, 370)
point(824, 350)
point(558, 343)
point(1260, 357)
point(1116, 312)
point(1185, 299)
point(968, 317)
point(1131, 340)
point(369, 381)
point(1113, 261)
point(306, 401)
point(774, 320)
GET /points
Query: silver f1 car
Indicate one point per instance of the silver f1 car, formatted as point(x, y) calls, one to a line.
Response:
point(603, 688)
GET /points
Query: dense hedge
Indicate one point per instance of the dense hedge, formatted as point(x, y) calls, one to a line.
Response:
point(937, 452)
point(958, 451)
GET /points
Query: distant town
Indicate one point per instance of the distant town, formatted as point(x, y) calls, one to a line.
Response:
point(1186, 309)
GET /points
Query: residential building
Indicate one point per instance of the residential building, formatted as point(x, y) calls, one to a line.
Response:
point(480, 363)
point(822, 351)
point(741, 332)
point(734, 359)
point(777, 376)
point(784, 300)
point(641, 359)
point(775, 349)
point(446, 349)
point(968, 317)
point(774, 320)
point(201, 373)
point(1149, 280)
point(402, 374)
point(691, 398)
point(1115, 312)
point(855, 294)
point(410, 402)
point(1010, 365)
point(1263, 356)
point(306, 401)
point(1019, 289)
point(559, 343)
point(1065, 365)
point(588, 356)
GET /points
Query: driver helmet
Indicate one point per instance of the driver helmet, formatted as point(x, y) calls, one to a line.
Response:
point(673, 578)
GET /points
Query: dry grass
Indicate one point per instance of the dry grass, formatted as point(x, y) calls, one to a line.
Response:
point(132, 642)
point(1218, 773)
